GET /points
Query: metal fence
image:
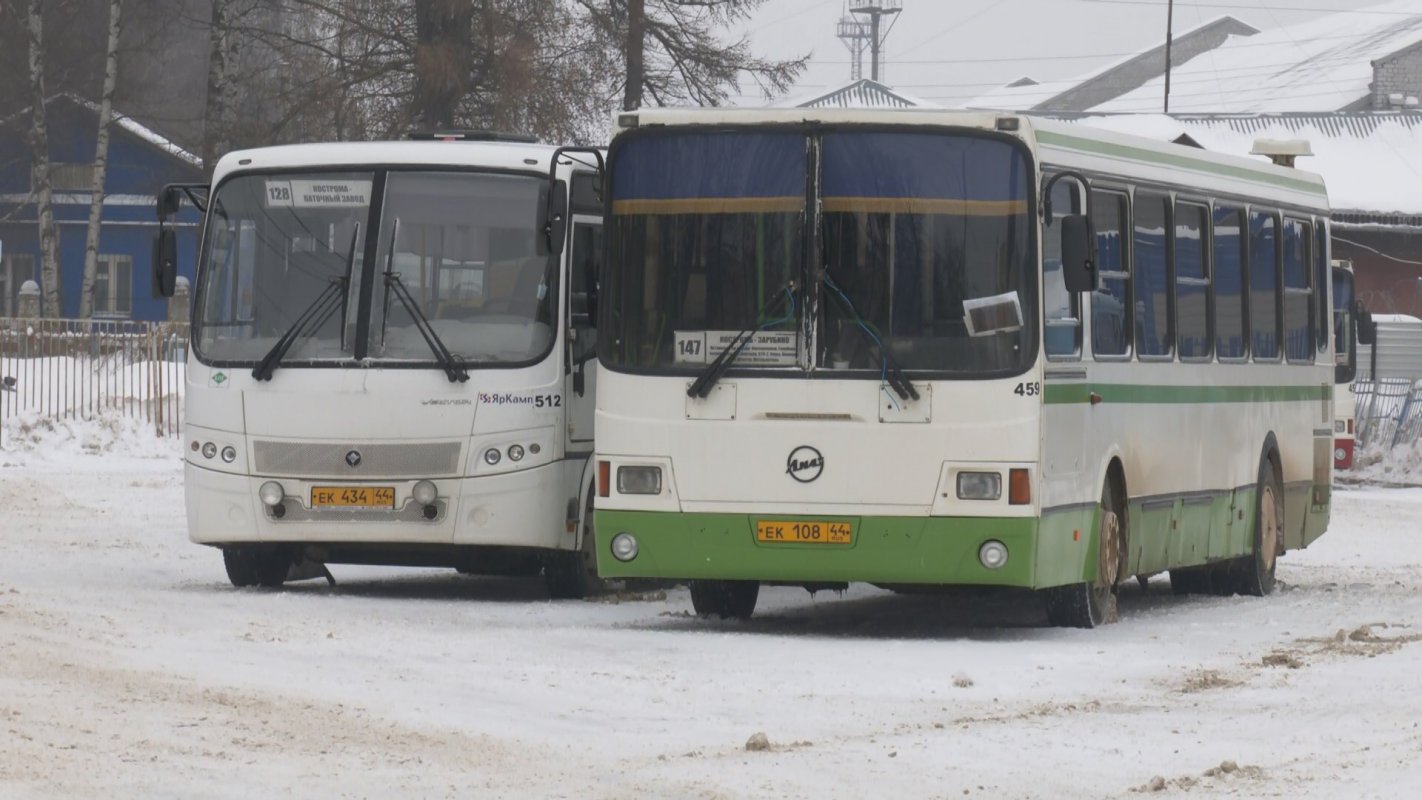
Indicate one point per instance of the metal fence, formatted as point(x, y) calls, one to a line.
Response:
point(1387, 412)
point(79, 369)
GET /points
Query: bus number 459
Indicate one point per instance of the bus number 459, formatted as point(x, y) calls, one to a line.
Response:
point(1028, 389)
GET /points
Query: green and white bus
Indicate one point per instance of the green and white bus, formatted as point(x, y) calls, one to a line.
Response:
point(951, 348)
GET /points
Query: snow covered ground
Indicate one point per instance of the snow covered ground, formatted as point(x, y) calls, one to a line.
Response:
point(130, 668)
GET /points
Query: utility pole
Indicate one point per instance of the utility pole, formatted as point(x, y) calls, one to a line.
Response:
point(1169, 19)
point(876, 10)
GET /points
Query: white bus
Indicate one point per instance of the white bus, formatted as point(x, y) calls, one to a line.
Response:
point(390, 358)
point(857, 345)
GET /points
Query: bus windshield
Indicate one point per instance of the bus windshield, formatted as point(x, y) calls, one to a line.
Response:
point(923, 257)
point(708, 234)
point(462, 245)
point(274, 244)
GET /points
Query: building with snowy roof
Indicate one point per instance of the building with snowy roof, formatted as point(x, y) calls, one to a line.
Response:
point(141, 162)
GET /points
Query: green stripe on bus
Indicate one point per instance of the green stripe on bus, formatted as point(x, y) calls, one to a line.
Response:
point(1173, 160)
point(1133, 393)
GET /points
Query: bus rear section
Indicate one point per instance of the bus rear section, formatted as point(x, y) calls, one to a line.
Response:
point(386, 365)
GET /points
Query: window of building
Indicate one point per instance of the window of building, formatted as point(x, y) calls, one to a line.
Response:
point(15, 269)
point(71, 177)
point(1192, 282)
point(113, 286)
point(1298, 295)
point(1154, 332)
point(1264, 285)
point(1110, 303)
point(1230, 298)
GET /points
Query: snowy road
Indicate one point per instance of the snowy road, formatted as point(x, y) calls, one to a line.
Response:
point(129, 668)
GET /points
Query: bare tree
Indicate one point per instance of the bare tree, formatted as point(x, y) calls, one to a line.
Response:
point(52, 305)
point(101, 164)
point(673, 52)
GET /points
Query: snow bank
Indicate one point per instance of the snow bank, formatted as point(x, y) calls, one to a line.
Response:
point(1388, 467)
point(43, 437)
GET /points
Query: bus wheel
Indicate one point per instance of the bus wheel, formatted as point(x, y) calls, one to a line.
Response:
point(1092, 604)
point(1254, 574)
point(256, 566)
point(725, 599)
point(572, 575)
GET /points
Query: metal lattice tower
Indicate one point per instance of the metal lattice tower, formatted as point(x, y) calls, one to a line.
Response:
point(855, 35)
point(875, 10)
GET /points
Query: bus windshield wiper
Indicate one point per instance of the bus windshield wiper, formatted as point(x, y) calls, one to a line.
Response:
point(890, 371)
point(333, 297)
point(393, 285)
point(708, 377)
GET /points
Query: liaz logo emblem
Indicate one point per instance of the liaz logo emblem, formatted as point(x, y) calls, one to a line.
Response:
point(353, 459)
point(217, 379)
point(804, 464)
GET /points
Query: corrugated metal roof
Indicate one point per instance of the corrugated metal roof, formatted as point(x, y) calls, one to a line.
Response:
point(1360, 124)
point(862, 94)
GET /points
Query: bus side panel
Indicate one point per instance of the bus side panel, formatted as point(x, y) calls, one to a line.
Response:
point(1065, 544)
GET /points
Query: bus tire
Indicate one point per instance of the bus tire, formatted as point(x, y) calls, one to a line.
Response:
point(256, 566)
point(1091, 604)
point(725, 599)
point(1254, 574)
point(572, 575)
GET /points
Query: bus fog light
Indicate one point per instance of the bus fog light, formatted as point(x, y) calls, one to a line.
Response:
point(979, 485)
point(209, 450)
point(271, 493)
point(515, 452)
point(639, 480)
point(424, 492)
point(229, 454)
point(624, 547)
point(993, 554)
point(492, 456)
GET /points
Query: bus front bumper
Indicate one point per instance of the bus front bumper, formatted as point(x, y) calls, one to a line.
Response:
point(511, 509)
point(886, 550)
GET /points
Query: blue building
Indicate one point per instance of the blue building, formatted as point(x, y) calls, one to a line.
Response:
point(140, 163)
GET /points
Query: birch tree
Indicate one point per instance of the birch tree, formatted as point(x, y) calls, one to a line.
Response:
point(51, 301)
point(101, 164)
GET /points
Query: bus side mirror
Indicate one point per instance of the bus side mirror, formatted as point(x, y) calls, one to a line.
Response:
point(1078, 269)
point(168, 203)
point(1367, 328)
point(553, 219)
point(165, 263)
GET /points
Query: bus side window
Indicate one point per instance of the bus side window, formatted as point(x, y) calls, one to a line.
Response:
point(1192, 282)
point(1231, 299)
point(586, 263)
point(1061, 309)
point(1111, 324)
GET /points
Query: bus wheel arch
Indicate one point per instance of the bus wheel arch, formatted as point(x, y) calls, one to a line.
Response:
point(572, 574)
point(1254, 574)
point(1092, 603)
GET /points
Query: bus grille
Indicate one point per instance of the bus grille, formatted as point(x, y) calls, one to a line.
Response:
point(299, 459)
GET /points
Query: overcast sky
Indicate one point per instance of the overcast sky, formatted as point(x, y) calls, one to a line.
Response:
point(951, 51)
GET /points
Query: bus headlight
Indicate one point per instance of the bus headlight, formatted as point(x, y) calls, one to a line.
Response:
point(229, 454)
point(979, 485)
point(209, 450)
point(424, 492)
point(624, 547)
point(993, 554)
point(271, 493)
point(639, 480)
point(515, 452)
point(492, 456)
